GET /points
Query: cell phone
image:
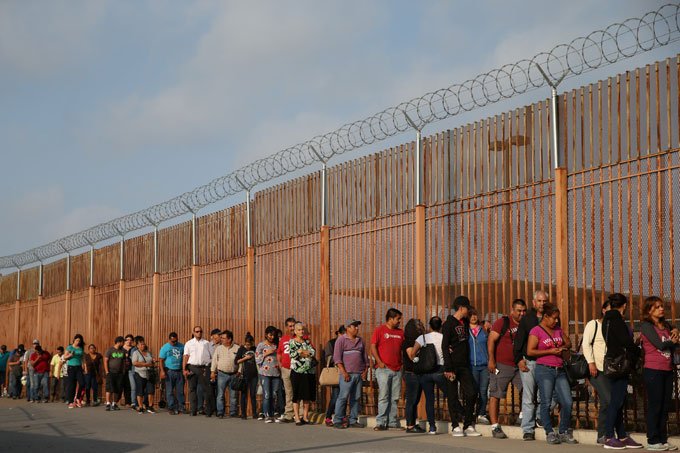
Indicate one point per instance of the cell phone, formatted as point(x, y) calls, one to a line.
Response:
point(497, 371)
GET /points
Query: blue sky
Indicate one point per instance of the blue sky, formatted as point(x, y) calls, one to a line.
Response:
point(110, 106)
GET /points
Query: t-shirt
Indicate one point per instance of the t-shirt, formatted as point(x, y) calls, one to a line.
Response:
point(43, 361)
point(16, 369)
point(54, 364)
point(284, 350)
point(116, 359)
point(93, 364)
point(351, 353)
point(267, 365)
point(172, 355)
point(77, 358)
point(388, 342)
point(434, 338)
point(657, 359)
point(27, 358)
point(4, 357)
point(138, 356)
point(545, 342)
point(504, 353)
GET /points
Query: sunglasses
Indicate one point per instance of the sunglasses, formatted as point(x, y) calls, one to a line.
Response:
point(198, 331)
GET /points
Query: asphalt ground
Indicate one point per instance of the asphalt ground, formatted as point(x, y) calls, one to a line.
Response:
point(38, 428)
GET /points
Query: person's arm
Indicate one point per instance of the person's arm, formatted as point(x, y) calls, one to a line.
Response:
point(213, 364)
point(491, 349)
point(376, 356)
point(106, 365)
point(279, 350)
point(566, 341)
point(185, 360)
point(412, 352)
point(533, 351)
point(446, 344)
point(647, 329)
point(587, 344)
point(518, 345)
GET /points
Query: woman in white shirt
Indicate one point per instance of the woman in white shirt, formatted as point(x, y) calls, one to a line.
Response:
point(428, 380)
point(594, 348)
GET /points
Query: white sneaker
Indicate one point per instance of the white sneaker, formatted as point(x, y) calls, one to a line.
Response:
point(656, 447)
point(483, 420)
point(458, 432)
point(670, 447)
point(269, 420)
point(472, 432)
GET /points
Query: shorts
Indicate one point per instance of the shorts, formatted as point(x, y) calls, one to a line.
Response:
point(304, 386)
point(114, 383)
point(498, 383)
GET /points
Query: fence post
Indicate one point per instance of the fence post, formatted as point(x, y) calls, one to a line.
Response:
point(194, 272)
point(67, 302)
point(250, 291)
point(155, 288)
point(90, 295)
point(39, 326)
point(325, 286)
point(121, 288)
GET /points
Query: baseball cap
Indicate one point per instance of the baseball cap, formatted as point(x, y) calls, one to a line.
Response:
point(36, 341)
point(352, 322)
point(215, 331)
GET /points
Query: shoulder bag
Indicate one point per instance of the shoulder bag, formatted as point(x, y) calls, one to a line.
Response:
point(330, 375)
point(426, 359)
point(616, 367)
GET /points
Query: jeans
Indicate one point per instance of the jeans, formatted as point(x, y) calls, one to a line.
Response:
point(15, 385)
point(40, 380)
point(528, 397)
point(467, 387)
point(335, 391)
point(348, 390)
point(427, 382)
point(133, 388)
point(659, 386)
point(619, 387)
point(174, 380)
point(389, 390)
point(412, 397)
point(223, 383)
point(91, 384)
point(251, 390)
point(480, 373)
point(29, 379)
point(554, 380)
point(601, 384)
point(270, 386)
point(75, 375)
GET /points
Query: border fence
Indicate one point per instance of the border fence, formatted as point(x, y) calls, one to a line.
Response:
point(483, 209)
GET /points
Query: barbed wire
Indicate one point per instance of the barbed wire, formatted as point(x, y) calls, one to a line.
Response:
point(600, 48)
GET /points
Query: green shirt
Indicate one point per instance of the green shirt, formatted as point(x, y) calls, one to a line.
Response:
point(77, 358)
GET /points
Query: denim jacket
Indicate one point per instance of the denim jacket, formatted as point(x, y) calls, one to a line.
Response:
point(479, 355)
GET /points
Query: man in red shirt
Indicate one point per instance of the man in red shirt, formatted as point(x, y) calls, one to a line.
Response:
point(502, 367)
point(386, 351)
point(283, 354)
point(40, 361)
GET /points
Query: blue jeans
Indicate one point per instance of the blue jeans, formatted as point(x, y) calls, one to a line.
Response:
point(270, 386)
point(330, 410)
point(480, 373)
point(617, 399)
point(549, 380)
point(528, 397)
point(412, 397)
point(251, 390)
point(427, 382)
point(133, 388)
point(29, 380)
point(389, 391)
point(174, 379)
point(223, 381)
point(91, 384)
point(348, 390)
point(40, 380)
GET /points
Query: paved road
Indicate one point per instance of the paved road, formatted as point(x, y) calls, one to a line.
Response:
point(39, 427)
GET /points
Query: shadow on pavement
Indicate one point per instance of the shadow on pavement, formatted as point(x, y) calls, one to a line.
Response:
point(24, 441)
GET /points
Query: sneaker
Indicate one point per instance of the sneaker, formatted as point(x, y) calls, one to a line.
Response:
point(71, 405)
point(260, 416)
point(670, 447)
point(108, 407)
point(140, 410)
point(483, 420)
point(432, 432)
point(46, 401)
point(329, 422)
point(277, 415)
point(472, 432)
point(628, 442)
point(553, 438)
point(356, 425)
point(529, 436)
point(458, 432)
point(278, 420)
point(78, 403)
point(380, 428)
point(416, 429)
point(497, 433)
point(269, 420)
point(567, 437)
point(339, 426)
point(151, 410)
point(601, 440)
point(614, 444)
point(656, 447)
point(539, 424)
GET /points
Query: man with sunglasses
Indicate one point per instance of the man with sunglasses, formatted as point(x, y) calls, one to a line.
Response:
point(196, 365)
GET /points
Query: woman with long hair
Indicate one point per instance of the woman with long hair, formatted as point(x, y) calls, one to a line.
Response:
point(145, 384)
point(547, 342)
point(412, 330)
point(245, 359)
point(302, 373)
point(659, 341)
point(74, 362)
point(269, 371)
point(93, 371)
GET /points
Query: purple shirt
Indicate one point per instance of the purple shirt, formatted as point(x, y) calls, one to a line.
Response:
point(351, 353)
point(656, 359)
point(545, 342)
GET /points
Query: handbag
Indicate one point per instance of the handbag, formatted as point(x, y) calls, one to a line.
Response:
point(238, 382)
point(330, 375)
point(426, 359)
point(616, 367)
point(577, 365)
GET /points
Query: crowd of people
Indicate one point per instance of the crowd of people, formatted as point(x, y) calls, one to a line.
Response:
point(471, 360)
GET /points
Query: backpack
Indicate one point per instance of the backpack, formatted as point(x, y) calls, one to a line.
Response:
point(505, 328)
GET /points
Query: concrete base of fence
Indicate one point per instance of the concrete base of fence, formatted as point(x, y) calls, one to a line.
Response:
point(584, 436)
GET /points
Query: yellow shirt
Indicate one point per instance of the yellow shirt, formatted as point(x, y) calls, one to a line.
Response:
point(54, 364)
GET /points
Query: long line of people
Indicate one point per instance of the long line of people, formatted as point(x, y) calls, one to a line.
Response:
point(470, 360)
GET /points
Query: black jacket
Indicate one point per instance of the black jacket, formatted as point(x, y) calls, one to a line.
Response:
point(455, 346)
point(617, 336)
point(528, 322)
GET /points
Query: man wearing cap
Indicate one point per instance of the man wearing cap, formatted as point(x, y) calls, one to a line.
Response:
point(171, 372)
point(196, 366)
point(456, 350)
point(351, 357)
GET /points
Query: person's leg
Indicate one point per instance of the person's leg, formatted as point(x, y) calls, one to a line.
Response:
point(395, 394)
point(45, 378)
point(528, 397)
point(193, 390)
point(427, 384)
point(140, 390)
point(150, 389)
point(252, 391)
point(601, 385)
point(233, 399)
point(665, 404)
point(288, 389)
point(266, 383)
point(383, 378)
point(244, 400)
point(33, 389)
point(617, 398)
point(331, 403)
point(133, 388)
point(179, 388)
point(655, 394)
point(344, 390)
point(410, 405)
point(222, 381)
point(356, 387)
point(563, 392)
point(545, 377)
point(80, 377)
point(277, 389)
point(483, 392)
point(467, 387)
point(95, 389)
point(453, 401)
point(169, 394)
point(29, 391)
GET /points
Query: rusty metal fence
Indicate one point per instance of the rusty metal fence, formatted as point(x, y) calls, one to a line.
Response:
point(494, 208)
